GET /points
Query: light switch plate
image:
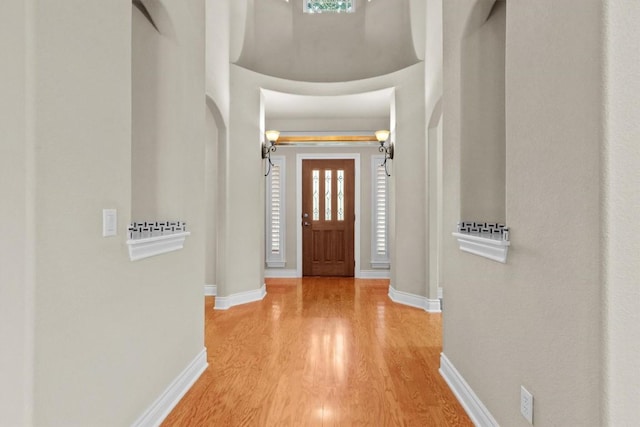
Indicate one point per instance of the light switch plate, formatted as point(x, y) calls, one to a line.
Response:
point(109, 222)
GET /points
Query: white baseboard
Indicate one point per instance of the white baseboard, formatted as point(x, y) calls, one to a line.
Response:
point(412, 300)
point(225, 303)
point(374, 274)
point(280, 273)
point(479, 414)
point(158, 411)
point(210, 290)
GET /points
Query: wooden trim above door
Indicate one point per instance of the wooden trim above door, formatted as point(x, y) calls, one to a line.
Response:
point(287, 139)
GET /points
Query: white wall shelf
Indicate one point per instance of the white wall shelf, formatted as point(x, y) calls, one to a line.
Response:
point(151, 246)
point(494, 248)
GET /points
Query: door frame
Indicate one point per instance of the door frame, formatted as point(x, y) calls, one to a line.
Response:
point(356, 226)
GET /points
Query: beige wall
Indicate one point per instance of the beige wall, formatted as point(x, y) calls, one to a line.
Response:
point(420, 26)
point(212, 136)
point(621, 226)
point(328, 124)
point(434, 206)
point(16, 219)
point(535, 320)
point(101, 322)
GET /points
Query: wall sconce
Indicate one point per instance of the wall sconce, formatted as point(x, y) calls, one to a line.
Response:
point(382, 136)
point(272, 137)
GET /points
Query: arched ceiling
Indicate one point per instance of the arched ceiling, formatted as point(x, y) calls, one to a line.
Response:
point(279, 105)
point(282, 41)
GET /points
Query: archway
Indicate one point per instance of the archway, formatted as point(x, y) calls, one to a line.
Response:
point(215, 147)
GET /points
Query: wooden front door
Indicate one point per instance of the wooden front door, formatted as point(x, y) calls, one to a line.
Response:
point(328, 217)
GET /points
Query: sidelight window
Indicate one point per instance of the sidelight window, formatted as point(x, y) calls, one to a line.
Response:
point(380, 217)
point(275, 254)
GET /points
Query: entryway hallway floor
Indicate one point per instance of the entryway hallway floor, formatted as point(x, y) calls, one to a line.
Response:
point(321, 352)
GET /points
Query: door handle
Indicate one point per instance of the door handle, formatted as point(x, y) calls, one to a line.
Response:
point(306, 224)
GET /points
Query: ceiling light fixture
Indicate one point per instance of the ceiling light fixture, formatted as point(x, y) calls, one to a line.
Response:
point(383, 136)
point(266, 150)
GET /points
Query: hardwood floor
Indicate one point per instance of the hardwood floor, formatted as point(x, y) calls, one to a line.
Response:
point(321, 352)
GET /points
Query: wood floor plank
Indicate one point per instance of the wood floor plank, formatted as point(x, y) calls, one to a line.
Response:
point(321, 352)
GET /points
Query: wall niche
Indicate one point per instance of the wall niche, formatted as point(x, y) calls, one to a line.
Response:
point(157, 159)
point(483, 139)
point(482, 230)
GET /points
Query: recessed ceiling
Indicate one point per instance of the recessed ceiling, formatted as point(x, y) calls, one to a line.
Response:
point(281, 40)
point(279, 105)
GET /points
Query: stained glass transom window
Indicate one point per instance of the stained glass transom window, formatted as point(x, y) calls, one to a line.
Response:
point(328, 6)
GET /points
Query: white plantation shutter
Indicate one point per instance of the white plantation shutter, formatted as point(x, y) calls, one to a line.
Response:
point(275, 209)
point(275, 224)
point(380, 219)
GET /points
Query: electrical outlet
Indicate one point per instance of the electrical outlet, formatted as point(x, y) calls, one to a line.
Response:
point(526, 404)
